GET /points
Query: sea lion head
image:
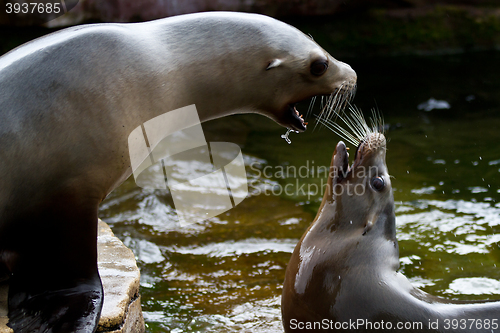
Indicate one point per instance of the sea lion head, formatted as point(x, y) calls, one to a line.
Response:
point(362, 192)
point(300, 69)
point(352, 240)
point(304, 70)
point(250, 63)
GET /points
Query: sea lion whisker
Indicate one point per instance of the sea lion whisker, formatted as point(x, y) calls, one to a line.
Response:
point(324, 106)
point(336, 103)
point(311, 106)
point(378, 121)
point(352, 92)
point(361, 121)
point(355, 124)
point(348, 136)
point(340, 131)
point(346, 101)
point(357, 127)
point(331, 106)
point(356, 132)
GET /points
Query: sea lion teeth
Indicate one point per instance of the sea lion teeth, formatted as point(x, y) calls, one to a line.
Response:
point(299, 124)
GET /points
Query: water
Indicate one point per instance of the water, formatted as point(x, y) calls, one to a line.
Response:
point(285, 136)
point(225, 274)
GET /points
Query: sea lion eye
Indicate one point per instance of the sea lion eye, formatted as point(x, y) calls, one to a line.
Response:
point(319, 67)
point(378, 183)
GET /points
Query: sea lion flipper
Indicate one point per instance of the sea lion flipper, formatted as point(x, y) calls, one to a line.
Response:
point(72, 309)
point(54, 283)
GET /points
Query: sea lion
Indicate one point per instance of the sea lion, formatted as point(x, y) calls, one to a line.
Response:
point(69, 101)
point(343, 274)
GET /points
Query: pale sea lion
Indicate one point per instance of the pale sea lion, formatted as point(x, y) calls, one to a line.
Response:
point(70, 99)
point(343, 274)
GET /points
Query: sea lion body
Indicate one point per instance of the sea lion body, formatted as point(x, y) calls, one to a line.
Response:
point(69, 100)
point(343, 274)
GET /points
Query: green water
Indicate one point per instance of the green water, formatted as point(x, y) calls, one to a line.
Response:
point(226, 274)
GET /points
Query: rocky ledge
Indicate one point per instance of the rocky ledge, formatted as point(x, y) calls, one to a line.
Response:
point(121, 312)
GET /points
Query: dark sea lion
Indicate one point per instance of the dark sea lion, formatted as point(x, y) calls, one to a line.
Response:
point(343, 274)
point(69, 101)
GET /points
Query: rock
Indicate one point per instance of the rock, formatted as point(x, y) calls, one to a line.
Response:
point(121, 312)
point(4, 289)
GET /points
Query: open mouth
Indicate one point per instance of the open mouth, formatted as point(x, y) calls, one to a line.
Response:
point(341, 168)
point(368, 146)
point(295, 119)
point(334, 103)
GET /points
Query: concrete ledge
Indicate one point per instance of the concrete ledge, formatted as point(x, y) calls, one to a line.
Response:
point(121, 312)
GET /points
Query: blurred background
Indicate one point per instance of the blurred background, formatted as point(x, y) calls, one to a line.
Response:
point(430, 67)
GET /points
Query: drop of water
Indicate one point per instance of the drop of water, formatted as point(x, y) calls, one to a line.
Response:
point(285, 136)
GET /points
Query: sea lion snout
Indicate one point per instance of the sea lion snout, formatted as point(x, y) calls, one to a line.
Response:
point(374, 141)
point(347, 78)
point(370, 146)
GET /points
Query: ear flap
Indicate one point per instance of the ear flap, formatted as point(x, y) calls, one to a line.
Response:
point(274, 63)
